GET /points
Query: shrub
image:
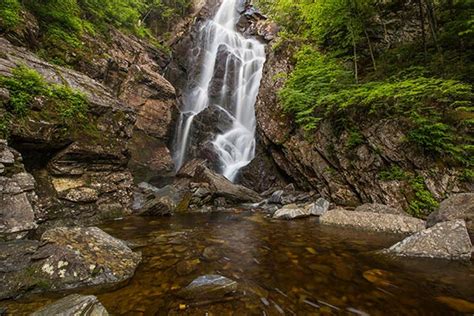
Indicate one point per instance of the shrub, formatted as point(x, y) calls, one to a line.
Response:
point(25, 84)
point(393, 173)
point(423, 203)
point(9, 14)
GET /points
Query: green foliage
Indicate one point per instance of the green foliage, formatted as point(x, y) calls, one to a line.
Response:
point(393, 173)
point(355, 139)
point(9, 14)
point(25, 84)
point(423, 203)
point(467, 175)
point(320, 88)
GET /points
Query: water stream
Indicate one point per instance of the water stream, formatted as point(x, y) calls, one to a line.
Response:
point(282, 268)
point(243, 59)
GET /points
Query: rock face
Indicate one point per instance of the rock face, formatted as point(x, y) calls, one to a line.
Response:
point(347, 175)
point(208, 287)
point(74, 305)
point(17, 196)
point(458, 206)
point(373, 221)
point(81, 173)
point(446, 240)
point(65, 258)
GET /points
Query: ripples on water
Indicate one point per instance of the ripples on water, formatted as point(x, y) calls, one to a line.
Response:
point(295, 268)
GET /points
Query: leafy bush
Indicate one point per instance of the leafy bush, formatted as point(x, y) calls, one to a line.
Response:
point(355, 139)
point(25, 84)
point(9, 14)
point(424, 202)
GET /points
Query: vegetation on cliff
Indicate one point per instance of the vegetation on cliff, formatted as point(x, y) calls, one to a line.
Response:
point(27, 87)
point(67, 27)
point(358, 62)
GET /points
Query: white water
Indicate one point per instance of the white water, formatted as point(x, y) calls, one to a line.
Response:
point(236, 146)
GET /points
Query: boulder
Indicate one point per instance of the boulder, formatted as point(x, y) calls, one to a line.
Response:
point(458, 206)
point(65, 258)
point(445, 240)
point(319, 207)
point(292, 211)
point(222, 187)
point(390, 223)
point(74, 305)
point(379, 209)
point(208, 287)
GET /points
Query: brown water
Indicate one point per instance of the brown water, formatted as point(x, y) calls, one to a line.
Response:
point(283, 267)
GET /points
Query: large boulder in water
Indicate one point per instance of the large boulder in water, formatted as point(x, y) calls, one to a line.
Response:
point(74, 305)
point(458, 206)
point(446, 240)
point(65, 258)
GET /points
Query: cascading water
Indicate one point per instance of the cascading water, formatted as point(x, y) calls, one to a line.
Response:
point(244, 59)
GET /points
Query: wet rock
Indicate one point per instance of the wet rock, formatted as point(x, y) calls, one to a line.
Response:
point(459, 305)
point(379, 208)
point(157, 206)
point(208, 287)
point(292, 211)
point(373, 221)
point(446, 240)
point(74, 305)
point(187, 266)
point(65, 258)
point(211, 253)
point(458, 206)
point(222, 187)
point(319, 207)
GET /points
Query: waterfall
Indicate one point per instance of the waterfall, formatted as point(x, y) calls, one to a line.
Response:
point(239, 85)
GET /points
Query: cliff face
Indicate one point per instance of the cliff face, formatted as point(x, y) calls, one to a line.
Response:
point(85, 173)
point(347, 173)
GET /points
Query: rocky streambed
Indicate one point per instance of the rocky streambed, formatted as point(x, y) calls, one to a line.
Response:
point(243, 262)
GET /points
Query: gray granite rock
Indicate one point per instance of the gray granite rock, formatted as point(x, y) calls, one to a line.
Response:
point(458, 206)
point(373, 221)
point(319, 207)
point(446, 240)
point(379, 208)
point(292, 211)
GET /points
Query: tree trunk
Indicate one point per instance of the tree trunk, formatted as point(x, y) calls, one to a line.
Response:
point(370, 49)
point(423, 32)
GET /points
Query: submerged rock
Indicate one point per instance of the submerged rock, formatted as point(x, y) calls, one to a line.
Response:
point(446, 240)
point(458, 206)
point(74, 305)
point(208, 287)
point(65, 258)
point(373, 221)
point(292, 211)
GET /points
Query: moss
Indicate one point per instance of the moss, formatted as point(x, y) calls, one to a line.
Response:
point(355, 139)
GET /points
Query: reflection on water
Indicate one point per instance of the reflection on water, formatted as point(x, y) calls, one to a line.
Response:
point(292, 268)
